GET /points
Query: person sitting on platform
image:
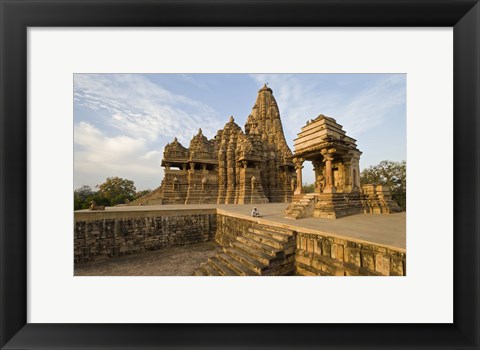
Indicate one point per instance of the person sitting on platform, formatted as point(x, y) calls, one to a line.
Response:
point(255, 213)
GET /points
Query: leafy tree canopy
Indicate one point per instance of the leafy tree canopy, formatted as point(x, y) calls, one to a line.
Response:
point(116, 187)
point(310, 188)
point(83, 192)
point(113, 191)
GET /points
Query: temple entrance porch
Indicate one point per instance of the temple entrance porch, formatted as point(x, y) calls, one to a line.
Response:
point(335, 159)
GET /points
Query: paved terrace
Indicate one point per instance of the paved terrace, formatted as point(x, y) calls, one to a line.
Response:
point(384, 229)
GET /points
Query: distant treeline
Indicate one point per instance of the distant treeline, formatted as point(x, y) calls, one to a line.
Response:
point(113, 191)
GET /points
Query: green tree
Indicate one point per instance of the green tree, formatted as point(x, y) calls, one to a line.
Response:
point(83, 192)
point(308, 188)
point(392, 174)
point(84, 195)
point(116, 190)
point(80, 196)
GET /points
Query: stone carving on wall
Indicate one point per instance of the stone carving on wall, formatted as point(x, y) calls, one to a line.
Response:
point(236, 166)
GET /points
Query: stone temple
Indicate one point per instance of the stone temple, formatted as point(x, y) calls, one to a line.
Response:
point(235, 167)
point(253, 165)
point(256, 166)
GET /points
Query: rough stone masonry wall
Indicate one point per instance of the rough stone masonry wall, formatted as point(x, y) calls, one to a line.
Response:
point(229, 228)
point(100, 235)
point(329, 256)
point(108, 234)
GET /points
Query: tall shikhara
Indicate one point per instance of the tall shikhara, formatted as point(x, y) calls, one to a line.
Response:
point(235, 167)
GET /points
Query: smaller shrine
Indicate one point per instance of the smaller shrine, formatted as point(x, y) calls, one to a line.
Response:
point(336, 163)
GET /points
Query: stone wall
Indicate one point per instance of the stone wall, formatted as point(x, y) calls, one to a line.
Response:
point(108, 234)
point(229, 228)
point(105, 234)
point(318, 255)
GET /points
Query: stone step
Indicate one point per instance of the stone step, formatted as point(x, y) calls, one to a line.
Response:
point(246, 259)
point(222, 267)
point(279, 236)
point(236, 265)
point(269, 228)
point(210, 269)
point(265, 239)
point(199, 272)
point(256, 254)
point(273, 252)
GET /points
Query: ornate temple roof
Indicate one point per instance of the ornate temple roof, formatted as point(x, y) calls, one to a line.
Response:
point(321, 133)
point(265, 88)
point(175, 150)
point(263, 137)
point(265, 121)
point(201, 148)
point(230, 130)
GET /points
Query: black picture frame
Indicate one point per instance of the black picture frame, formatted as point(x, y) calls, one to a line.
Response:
point(17, 15)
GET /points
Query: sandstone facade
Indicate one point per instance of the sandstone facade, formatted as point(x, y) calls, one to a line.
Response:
point(323, 255)
point(251, 248)
point(335, 158)
point(104, 234)
point(236, 166)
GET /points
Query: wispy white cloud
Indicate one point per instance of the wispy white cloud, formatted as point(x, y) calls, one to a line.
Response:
point(141, 108)
point(98, 156)
point(190, 79)
point(301, 99)
point(133, 117)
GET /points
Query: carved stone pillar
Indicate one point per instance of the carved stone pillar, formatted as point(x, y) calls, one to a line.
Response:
point(231, 172)
point(329, 185)
point(317, 168)
point(318, 183)
point(356, 171)
point(340, 181)
point(348, 176)
point(222, 176)
point(299, 166)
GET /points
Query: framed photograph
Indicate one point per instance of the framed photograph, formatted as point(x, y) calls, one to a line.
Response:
point(235, 175)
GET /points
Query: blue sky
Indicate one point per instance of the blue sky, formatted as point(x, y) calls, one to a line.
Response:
point(123, 121)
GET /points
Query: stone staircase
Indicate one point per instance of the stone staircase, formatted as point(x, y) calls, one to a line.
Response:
point(302, 208)
point(261, 251)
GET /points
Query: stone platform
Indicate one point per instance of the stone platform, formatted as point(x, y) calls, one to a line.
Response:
point(385, 229)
